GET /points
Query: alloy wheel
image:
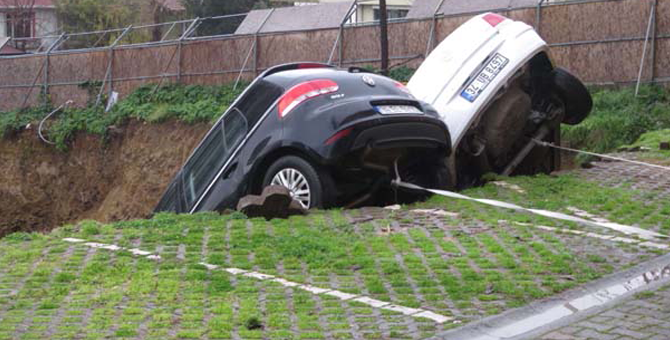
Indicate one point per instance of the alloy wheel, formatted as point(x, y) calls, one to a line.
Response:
point(296, 183)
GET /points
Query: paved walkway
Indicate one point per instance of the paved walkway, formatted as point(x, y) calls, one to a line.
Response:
point(644, 316)
point(632, 304)
point(591, 312)
point(626, 174)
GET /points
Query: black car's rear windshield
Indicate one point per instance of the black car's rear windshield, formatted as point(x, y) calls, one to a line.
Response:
point(224, 138)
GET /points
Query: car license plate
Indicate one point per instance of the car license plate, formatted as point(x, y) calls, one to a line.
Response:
point(397, 109)
point(484, 78)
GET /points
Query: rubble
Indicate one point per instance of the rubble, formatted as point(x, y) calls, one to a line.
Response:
point(274, 202)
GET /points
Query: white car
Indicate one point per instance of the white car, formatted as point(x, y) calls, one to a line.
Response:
point(493, 83)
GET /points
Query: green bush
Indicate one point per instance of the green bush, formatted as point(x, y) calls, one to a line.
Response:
point(652, 139)
point(401, 74)
point(188, 103)
point(619, 118)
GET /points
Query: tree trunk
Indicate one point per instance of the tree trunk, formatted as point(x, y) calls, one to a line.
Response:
point(383, 20)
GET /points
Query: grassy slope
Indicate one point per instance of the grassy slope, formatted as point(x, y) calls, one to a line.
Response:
point(556, 193)
point(451, 271)
point(652, 141)
point(619, 118)
point(192, 103)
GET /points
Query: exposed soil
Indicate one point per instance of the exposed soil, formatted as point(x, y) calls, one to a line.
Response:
point(120, 178)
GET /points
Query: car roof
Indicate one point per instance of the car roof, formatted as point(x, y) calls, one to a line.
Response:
point(288, 78)
point(288, 75)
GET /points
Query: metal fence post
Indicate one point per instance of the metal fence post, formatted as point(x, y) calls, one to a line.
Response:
point(45, 89)
point(255, 54)
point(538, 16)
point(187, 32)
point(340, 50)
point(653, 42)
point(110, 65)
point(340, 35)
point(51, 48)
point(652, 13)
point(179, 47)
point(257, 41)
point(433, 29)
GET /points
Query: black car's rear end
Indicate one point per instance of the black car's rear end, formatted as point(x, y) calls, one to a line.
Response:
point(366, 129)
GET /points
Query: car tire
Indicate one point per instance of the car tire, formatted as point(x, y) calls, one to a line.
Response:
point(575, 96)
point(316, 180)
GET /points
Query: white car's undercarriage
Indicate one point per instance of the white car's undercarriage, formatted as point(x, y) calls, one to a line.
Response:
point(494, 85)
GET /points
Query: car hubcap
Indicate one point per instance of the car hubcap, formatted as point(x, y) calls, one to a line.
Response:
point(296, 183)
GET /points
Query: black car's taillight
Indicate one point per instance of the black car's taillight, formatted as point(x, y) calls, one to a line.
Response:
point(304, 91)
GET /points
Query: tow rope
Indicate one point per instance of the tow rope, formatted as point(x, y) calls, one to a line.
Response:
point(628, 230)
point(552, 145)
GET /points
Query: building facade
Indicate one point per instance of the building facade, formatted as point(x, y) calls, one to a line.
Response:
point(368, 10)
point(24, 20)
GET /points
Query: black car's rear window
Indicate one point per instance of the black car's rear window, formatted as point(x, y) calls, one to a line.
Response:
point(258, 100)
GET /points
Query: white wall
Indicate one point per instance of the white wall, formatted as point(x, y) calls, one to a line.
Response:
point(46, 22)
point(3, 25)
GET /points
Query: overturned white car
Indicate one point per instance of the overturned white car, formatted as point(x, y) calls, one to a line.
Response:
point(493, 83)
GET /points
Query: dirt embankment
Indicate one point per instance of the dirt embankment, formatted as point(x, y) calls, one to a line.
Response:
point(121, 178)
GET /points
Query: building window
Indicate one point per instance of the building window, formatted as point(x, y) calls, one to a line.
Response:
point(391, 13)
point(21, 24)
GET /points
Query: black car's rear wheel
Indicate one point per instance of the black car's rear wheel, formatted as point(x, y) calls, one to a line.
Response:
point(302, 179)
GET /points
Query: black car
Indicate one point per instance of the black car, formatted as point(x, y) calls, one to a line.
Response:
point(329, 135)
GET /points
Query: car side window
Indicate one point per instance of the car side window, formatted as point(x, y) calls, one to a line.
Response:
point(170, 200)
point(235, 127)
point(212, 154)
point(225, 137)
point(204, 165)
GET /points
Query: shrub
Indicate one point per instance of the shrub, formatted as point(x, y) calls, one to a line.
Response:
point(619, 118)
point(188, 103)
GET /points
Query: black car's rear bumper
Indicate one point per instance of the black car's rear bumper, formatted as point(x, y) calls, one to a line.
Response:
point(405, 134)
point(389, 132)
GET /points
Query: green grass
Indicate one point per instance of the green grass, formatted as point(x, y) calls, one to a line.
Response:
point(471, 265)
point(652, 140)
point(188, 103)
point(619, 118)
